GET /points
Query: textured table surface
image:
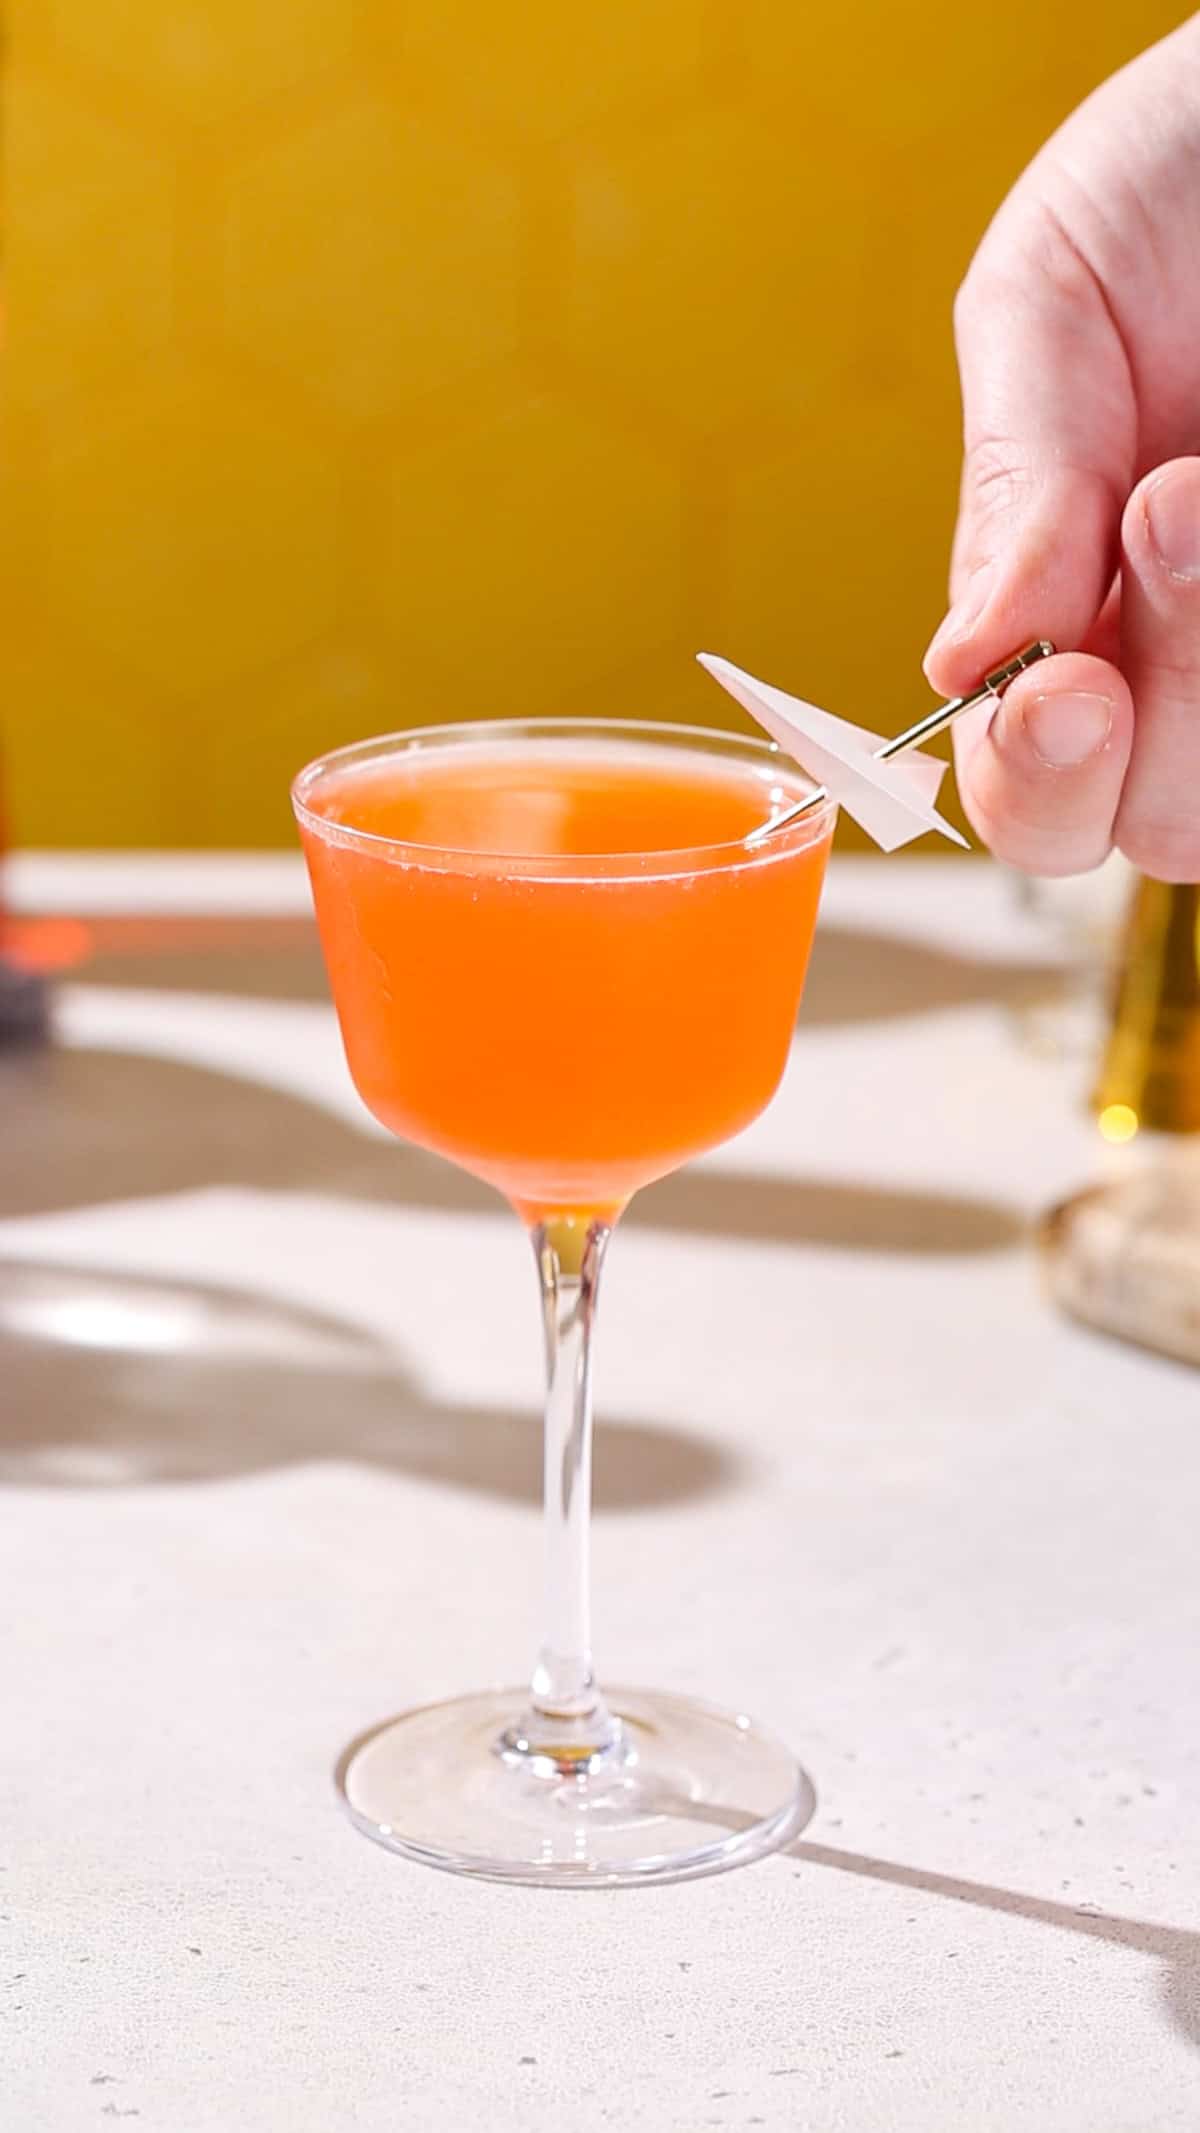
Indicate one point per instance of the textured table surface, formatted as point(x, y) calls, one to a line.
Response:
point(268, 1470)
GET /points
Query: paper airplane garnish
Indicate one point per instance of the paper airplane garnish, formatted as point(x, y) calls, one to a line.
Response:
point(892, 801)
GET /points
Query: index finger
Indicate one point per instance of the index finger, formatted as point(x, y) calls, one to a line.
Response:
point(1049, 436)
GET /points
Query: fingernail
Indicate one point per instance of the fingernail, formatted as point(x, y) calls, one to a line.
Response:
point(1173, 520)
point(1065, 728)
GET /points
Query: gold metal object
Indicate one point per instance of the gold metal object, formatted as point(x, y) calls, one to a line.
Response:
point(935, 721)
point(1150, 1074)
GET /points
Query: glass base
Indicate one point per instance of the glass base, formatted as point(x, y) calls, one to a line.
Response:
point(685, 1789)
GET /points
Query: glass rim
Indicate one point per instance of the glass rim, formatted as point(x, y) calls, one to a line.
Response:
point(809, 830)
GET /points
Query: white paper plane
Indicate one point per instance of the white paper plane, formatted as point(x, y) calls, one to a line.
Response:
point(892, 801)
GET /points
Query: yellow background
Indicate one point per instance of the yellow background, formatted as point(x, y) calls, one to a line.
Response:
point(383, 362)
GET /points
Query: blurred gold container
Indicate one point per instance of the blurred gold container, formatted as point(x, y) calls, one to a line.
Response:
point(1150, 1074)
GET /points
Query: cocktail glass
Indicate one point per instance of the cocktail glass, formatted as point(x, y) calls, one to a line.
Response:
point(557, 961)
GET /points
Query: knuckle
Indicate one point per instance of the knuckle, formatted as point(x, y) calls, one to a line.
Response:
point(1055, 251)
point(1029, 245)
point(997, 474)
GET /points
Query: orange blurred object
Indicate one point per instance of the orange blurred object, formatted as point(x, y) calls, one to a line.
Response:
point(45, 944)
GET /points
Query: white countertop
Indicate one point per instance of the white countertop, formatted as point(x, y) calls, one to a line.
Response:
point(854, 1476)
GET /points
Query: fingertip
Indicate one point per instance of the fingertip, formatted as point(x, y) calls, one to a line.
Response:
point(952, 660)
point(1067, 674)
point(1048, 576)
point(950, 666)
point(969, 644)
point(1043, 786)
point(1070, 716)
point(1160, 526)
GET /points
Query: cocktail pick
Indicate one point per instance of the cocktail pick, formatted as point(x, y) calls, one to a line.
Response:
point(892, 801)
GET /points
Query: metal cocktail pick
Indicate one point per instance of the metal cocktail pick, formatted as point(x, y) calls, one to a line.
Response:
point(993, 685)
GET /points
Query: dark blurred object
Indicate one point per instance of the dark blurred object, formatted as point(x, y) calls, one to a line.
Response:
point(1125, 1258)
point(1150, 1074)
point(24, 1006)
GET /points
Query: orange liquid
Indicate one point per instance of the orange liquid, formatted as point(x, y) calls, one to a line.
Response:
point(572, 1034)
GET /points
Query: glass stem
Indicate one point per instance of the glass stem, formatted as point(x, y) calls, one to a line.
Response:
point(567, 1719)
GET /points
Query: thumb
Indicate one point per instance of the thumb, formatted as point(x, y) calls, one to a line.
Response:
point(1049, 434)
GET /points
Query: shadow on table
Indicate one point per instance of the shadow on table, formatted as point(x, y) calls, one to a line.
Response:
point(1176, 1947)
point(857, 974)
point(82, 1127)
point(109, 1379)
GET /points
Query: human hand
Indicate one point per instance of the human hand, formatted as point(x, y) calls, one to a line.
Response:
point(1078, 334)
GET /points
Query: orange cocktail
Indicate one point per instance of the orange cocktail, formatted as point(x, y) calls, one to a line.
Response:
point(552, 957)
point(560, 958)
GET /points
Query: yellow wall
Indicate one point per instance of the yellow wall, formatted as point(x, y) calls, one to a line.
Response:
point(372, 361)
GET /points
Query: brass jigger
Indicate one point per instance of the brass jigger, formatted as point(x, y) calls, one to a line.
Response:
point(993, 685)
point(1150, 1074)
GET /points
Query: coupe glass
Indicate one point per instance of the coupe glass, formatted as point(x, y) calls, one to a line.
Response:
point(567, 1024)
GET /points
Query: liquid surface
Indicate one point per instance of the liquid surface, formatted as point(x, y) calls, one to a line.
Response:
point(569, 1035)
point(567, 800)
